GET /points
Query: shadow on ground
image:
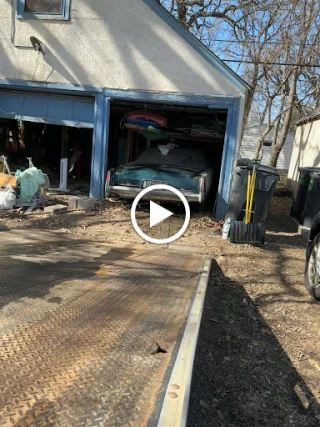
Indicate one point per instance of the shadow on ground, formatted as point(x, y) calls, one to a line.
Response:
point(279, 209)
point(242, 376)
point(26, 274)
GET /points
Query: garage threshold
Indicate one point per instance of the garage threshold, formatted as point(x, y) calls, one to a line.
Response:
point(97, 335)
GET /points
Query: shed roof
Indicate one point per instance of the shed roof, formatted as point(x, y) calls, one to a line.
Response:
point(314, 115)
point(259, 129)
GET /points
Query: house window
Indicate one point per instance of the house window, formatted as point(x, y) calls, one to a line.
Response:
point(44, 9)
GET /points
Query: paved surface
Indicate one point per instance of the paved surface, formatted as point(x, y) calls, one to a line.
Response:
point(77, 325)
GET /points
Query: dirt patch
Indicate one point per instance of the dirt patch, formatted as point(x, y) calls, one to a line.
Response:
point(111, 221)
point(260, 334)
point(242, 375)
point(258, 358)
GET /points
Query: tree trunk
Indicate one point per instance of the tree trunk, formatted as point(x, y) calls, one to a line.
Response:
point(275, 155)
point(249, 100)
point(182, 11)
point(261, 140)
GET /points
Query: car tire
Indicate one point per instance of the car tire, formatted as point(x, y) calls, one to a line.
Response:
point(312, 272)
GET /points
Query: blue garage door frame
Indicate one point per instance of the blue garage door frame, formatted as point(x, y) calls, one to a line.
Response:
point(101, 136)
point(90, 108)
point(74, 111)
point(101, 133)
point(228, 156)
point(52, 109)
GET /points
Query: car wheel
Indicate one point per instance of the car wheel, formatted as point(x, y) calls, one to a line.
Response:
point(312, 270)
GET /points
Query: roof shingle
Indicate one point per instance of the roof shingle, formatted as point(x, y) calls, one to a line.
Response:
point(314, 115)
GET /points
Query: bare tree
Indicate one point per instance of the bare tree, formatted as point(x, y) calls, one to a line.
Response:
point(288, 91)
point(273, 44)
point(197, 13)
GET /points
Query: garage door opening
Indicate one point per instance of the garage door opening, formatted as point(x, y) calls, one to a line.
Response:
point(46, 144)
point(189, 129)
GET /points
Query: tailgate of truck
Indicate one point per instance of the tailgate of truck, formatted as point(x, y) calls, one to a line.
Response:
point(88, 332)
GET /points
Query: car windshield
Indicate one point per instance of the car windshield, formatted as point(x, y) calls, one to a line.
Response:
point(181, 158)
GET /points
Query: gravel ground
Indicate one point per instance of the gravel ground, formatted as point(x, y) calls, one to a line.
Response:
point(258, 360)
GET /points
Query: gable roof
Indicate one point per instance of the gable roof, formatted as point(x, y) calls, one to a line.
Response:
point(314, 115)
point(206, 53)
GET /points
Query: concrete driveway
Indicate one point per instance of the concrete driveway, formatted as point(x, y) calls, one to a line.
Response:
point(88, 330)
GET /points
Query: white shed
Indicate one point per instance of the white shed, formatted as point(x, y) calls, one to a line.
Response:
point(306, 148)
point(249, 145)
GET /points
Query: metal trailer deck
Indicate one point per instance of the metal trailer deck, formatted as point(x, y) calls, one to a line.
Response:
point(90, 334)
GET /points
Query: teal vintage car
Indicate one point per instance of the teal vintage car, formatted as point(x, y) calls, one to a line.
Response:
point(186, 169)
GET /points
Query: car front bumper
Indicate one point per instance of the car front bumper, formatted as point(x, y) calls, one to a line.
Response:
point(160, 195)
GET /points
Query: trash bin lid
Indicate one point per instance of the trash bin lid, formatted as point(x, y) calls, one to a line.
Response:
point(308, 169)
point(244, 163)
point(248, 164)
point(268, 169)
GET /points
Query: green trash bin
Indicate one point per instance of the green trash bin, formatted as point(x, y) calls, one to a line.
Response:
point(298, 208)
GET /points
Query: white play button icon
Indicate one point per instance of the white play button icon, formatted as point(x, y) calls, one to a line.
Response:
point(158, 214)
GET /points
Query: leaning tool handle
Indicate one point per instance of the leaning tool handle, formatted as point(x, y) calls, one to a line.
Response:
point(31, 165)
point(250, 191)
point(6, 168)
point(247, 217)
point(253, 184)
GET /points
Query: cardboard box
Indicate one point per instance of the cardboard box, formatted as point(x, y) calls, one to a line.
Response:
point(7, 180)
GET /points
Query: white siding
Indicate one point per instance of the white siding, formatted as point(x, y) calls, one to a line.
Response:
point(306, 151)
point(249, 145)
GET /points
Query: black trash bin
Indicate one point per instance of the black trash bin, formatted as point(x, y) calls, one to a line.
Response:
point(312, 206)
point(267, 178)
point(298, 208)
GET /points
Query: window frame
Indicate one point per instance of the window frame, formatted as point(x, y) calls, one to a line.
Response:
point(63, 16)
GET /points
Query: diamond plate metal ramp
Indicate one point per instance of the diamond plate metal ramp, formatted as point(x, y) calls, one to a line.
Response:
point(78, 322)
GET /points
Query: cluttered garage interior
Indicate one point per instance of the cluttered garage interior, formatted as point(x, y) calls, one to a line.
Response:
point(62, 139)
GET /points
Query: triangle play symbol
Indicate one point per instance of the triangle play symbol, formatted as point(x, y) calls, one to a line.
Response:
point(158, 214)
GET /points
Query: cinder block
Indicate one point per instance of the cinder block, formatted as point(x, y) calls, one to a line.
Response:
point(73, 203)
point(82, 203)
point(55, 209)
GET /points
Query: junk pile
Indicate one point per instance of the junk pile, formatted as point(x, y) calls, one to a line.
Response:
point(29, 181)
point(148, 124)
point(155, 126)
point(26, 188)
point(7, 197)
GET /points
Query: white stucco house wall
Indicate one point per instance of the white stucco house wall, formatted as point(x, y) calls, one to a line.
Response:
point(306, 148)
point(249, 145)
point(95, 52)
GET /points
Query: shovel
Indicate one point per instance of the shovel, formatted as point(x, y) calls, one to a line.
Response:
point(247, 231)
